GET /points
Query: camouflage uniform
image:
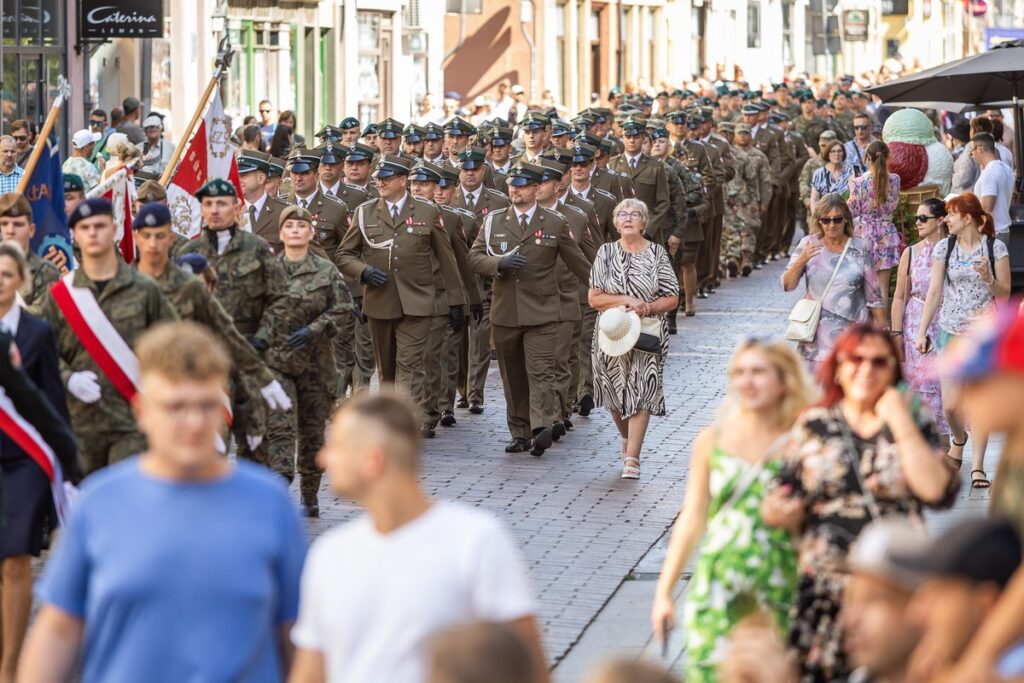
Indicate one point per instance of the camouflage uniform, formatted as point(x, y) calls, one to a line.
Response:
point(106, 429)
point(745, 194)
point(318, 300)
point(42, 274)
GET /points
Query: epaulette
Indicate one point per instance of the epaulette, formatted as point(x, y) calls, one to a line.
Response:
point(576, 209)
point(335, 199)
point(604, 193)
point(465, 212)
point(557, 213)
point(368, 202)
point(496, 193)
point(494, 211)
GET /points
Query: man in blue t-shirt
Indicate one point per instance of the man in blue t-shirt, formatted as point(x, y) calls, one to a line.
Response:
point(176, 565)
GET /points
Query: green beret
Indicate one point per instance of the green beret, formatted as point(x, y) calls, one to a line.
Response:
point(217, 187)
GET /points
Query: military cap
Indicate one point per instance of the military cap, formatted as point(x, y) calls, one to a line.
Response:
point(560, 128)
point(459, 126)
point(87, 208)
point(678, 92)
point(140, 177)
point(677, 116)
point(276, 165)
point(601, 112)
point(780, 86)
point(361, 152)
point(534, 120)
point(501, 136)
point(391, 165)
point(152, 191)
point(663, 93)
point(302, 161)
point(756, 93)
point(295, 212)
point(822, 102)
point(193, 262)
point(583, 153)
point(562, 155)
point(425, 171)
point(634, 125)
point(432, 131)
point(329, 132)
point(647, 100)
point(216, 187)
point(14, 205)
point(390, 128)
point(348, 123)
point(253, 160)
point(741, 128)
point(751, 110)
point(584, 121)
point(806, 95)
point(774, 117)
point(331, 153)
point(525, 173)
point(781, 116)
point(371, 129)
point(449, 176)
point(727, 127)
point(73, 183)
point(827, 135)
point(614, 91)
point(472, 157)
point(722, 90)
point(500, 122)
point(689, 93)
point(414, 133)
point(152, 215)
point(770, 101)
point(659, 133)
point(551, 169)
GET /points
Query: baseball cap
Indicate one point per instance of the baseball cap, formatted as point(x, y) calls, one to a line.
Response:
point(978, 551)
point(84, 137)
point(517, 89)
point(873, 551)
point(152, 120)
point(994, 343)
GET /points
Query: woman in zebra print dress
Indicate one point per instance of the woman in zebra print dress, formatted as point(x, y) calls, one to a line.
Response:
point(636, 273)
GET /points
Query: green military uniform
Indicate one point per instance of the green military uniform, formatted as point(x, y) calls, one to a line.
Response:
point(766, 141)
point(526, 308)
point(724, 166)
point(782, 198)
point(42, 274)
point(810, 128)
point(650, 183)
point(132, 302)
point(800, 153)
point(746, 193)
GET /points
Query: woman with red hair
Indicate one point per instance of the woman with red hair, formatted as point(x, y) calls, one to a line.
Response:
point(970, 271)
point(866, 451)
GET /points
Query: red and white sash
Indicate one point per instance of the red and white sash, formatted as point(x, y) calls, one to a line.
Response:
point(21, 432)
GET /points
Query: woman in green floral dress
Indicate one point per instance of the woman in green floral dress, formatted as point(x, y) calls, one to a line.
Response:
point(743, 565)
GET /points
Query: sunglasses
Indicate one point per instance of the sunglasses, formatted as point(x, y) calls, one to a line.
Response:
point(96, 124)
point(20, 138)
point(835, 220)
point(861, 127)
point(264, 111)
point(876, 362)
point(921, 218)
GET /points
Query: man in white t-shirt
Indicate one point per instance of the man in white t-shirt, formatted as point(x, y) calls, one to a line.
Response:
point(376, 590)
point(995, 183)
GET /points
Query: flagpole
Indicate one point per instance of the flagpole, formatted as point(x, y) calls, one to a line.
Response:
point(63, 93)
point(223, 63)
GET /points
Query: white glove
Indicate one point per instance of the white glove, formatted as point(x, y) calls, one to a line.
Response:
point(276, 397)
point(254, 442)
point(84, 387)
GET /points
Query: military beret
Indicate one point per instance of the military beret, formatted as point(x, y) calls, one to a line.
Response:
point(253, 160)
point(689, 93)
point(449, 176)
point(472, 157)
point(361, 152)
point(302, 161)
point(193, 262)
point(348, 123)
point(152, 191)
point(583, 153)
point(329, 133)
point(426, 172)
point(152, 215)
point(614, 91)
point(677, 93)
point(371, 129)
point(432, 131)
point(663, 93)
point(722, 90)
point(391, 165)
point(277, 165)
point(659, 133)
point(87, 208)
point(459, 126)
point(741, 128)
point(534, 120)
point(501, 136)
point(14, 204)
point(806, 96)
point(828, 135)
point(73, 183)
point(552, 169)
point(217, 187)
point(756, 93)
point(525, 173)
point(295, 212)
point(390, 128)
point(822, 102)
point(331, 153)
point(414, 133)
point(727, 127)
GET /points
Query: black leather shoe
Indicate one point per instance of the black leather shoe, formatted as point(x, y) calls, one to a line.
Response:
point(557, 431)
point(310, 506)
point(518, 445)
point(542, 439)
point(463, 403)
point(494, 355)
point(733, 268)
point(568, 424)
point(575, 406)
point(672, 327)
point(427, 432)
point(746, 270)
point(702, 293)
point(475, 408)
point(586, 405)
point(447, 418)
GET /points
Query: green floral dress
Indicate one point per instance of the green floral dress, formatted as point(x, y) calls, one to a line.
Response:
point(743, 566)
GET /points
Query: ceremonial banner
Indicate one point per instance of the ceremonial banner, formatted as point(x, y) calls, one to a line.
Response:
point(119, 190)
point(45, 191)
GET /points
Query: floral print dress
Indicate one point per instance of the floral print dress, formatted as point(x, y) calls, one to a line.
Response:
point(743, 565)
point(818, 467)
point(874, 224)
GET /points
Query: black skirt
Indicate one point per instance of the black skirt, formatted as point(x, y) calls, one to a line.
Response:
point(26, 505)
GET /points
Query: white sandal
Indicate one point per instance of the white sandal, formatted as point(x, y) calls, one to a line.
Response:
point(631, 468)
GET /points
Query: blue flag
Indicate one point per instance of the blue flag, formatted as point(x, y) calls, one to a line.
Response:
point(45, 191)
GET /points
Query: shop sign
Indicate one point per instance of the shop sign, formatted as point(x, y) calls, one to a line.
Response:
point(122, 18)
point(855, 25)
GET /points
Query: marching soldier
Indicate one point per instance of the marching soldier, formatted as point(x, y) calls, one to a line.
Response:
point(391, 247)
point(412, 141)
point(601, 176)
point(329, 171)
point(358, 163)
point(103, 299)
point(798, 148)
point(647, 175)
point(74, 192)
point(275, 175)
point(747, 196)
point(519, 247)
point(349, 131)
point(389, 137)
point(812, 165)
point(501, 151)
point(765, 141)
point(787, 168)
point(727, 167)
point(261, 211)
point(697, 158)
point(301, 355)
point(808, 123)
point(16, 226)
point(433, 144)
point(536, 129)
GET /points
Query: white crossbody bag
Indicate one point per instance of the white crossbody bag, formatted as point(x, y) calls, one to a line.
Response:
point(803, 319)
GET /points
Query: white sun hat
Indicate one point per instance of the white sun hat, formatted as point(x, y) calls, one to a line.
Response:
point(617, 331)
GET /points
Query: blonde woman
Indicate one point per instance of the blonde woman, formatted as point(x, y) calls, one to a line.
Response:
point(743, 565)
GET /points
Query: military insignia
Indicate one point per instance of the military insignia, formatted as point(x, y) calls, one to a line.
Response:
point(536, 242)
point(503, 246)
point(56, 249)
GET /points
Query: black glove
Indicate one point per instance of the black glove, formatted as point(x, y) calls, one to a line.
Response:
point(259, 344)
point(477, 311)
point(691, 212)
point(456, 318)
point(358, 302)
point(375, 277)
point(300, 338)
point(511, 262)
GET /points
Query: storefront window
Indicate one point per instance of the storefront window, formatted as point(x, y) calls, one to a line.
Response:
point(32, 57)
point(374, 63)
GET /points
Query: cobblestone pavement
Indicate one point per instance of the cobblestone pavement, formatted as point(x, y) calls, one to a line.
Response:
point(580, 527)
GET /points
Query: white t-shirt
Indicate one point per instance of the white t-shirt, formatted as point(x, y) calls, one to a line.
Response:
point(996, 179)
point(370, 602)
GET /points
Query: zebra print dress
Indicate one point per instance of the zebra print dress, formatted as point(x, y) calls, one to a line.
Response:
point(633, 381)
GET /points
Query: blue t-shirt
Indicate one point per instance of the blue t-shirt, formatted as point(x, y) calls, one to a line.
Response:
point(180, 581)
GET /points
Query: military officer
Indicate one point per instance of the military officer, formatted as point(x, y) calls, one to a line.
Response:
point(369, 136)
point(519, 247)
point(724, 150)
point(747, 197)
point(74, 192)
point(412, 141)
point(433, 144)
point(536, 129)
point(398, 295)
point(808, 123)
point(275, 176)
point(101, 413)
point(797, 147)
point(786, 104)
point(618, 184)
point(648, 175)
point(389, 137)
point(501, 151)
point(765, 140)
point(349, 131)
point(813, 164)
point(330, 169)
point(261, 211)
point(329, 133)
point(358, 164)
point(16, 226)
point(561, 133)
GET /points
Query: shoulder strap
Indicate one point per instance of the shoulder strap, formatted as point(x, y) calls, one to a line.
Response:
point(835, 270)
point(910, 268)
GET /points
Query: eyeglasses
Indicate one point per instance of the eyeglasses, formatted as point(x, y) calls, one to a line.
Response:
point(20, 138)
point(577, 164)
point(921, 218)
point(834, 220)
point(876, 362)
point(264, 111)
point(628, 214)
point(861, 127)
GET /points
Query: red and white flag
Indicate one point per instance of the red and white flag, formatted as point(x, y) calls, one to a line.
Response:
point(209, 155)
point(119, 190)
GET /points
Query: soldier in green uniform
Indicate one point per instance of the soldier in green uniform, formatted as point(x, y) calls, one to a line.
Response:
point(275, 175)
point(843, 119)
point(726, 167)
point(260, 211)
point(391, 248)
point(786, 103)
point(536, 129)
point(301, 355)
point(520, 247)
point(648, 176)
point(153, 191)
point(433, 144)
point(798, 147)
point(765, 141)
point(697, 158)
point(457, 134)
point(358, 164)
point(501, 150)
point(330, 170)
point(16, 226)
point(389, 137)
point(101, 415)
point(349, 131)
point(747, 195)
point(787, 171)
point(808, 123)
point(74, 192)
point(581, 187)
point(412, 141)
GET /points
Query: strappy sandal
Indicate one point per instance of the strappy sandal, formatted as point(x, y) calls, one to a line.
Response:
point(957, 462)
point(631, 468)
point(981, 482)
